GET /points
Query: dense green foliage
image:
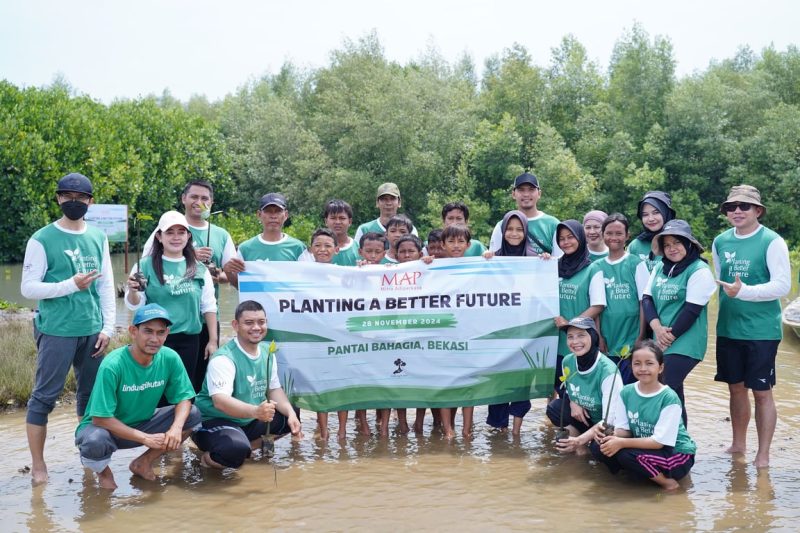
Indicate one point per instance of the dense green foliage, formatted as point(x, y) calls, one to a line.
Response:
point(596, 139)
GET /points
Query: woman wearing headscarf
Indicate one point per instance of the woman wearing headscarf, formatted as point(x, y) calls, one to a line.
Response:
point(514, 244)
point(675, 300)
point(580, 285)
point(654, 211)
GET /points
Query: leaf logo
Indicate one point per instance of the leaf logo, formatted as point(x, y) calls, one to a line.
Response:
point(73, 254)
point(633, 417)
point(251, 379)
point(660, 281)
point(574, 389)
point(608, 282)
point(730, 257)
point(169, 279)
point(643, 257)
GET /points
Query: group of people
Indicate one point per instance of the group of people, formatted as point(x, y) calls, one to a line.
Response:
point(632, 323)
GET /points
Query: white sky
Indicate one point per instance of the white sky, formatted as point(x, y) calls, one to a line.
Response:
point(110, 49)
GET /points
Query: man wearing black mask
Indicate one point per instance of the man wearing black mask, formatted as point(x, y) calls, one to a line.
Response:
point(67, 268)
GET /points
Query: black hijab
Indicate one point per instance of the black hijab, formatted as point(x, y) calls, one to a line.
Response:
point(586, 360)
point(661, 201)
point(672, 269)
point(522, 249)
point(571, 264)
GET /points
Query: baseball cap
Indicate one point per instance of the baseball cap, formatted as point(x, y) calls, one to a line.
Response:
point(582, 322)
point(272, 198)
point(528, 178)
point(172, 218)
point(388, 188)
point(149, 312)
point(75, 182)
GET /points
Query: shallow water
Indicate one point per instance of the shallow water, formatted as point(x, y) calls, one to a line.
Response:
point(412, 482)
point(420, 482)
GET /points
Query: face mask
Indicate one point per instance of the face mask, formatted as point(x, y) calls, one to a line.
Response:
point(74, 209)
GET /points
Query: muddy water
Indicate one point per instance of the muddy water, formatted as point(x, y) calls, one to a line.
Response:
point(411, 482)
point(419, 482)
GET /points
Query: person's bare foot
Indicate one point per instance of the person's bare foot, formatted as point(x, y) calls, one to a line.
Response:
point(342, 433)
point(735, 449)
point(208, 462)
point(323, 433)
point(106, 479)
point(143, 469)
point(466, 433)
point(418, 427)
point(449, 434)
point(38, 474)
point(761, 461)
point(666, 483)
point(402, 427)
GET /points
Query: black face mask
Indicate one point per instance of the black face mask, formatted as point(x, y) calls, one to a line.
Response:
point(74, 209)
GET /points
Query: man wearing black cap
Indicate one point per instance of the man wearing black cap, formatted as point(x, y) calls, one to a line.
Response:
point(541, 226)
point(67, 267)
point(272, 244)
point(752, 265)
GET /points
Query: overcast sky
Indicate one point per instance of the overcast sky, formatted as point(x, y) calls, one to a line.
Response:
point(114, 49)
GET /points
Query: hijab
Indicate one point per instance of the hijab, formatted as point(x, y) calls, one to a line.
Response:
point(522, 249)
point(588, 359)
point(661, 201)
point(571, 264)
point(671, 268)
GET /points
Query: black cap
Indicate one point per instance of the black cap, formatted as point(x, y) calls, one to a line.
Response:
point(75, 183)
point(272, 198)
point(524, 178)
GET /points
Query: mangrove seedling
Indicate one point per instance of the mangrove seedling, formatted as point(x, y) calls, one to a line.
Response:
point(206, 214)
point(624, 353)
point(138, 276)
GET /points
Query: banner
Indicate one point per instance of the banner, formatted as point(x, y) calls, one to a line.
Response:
point(111, 219)
point(456, 332)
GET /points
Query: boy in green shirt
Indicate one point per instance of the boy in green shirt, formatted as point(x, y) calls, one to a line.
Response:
point(122, 408)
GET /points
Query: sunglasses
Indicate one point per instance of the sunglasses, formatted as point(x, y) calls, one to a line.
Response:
point(730, 208)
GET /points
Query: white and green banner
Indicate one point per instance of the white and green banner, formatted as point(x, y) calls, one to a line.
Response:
point(456, 332)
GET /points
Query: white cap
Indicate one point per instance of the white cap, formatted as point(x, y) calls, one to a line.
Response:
point(172, 218)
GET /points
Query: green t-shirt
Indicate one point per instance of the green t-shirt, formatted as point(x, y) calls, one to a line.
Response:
point(257, 249)
point(544, 229)
point(644, 412)
point(130, 392)
point(573, 298)
point(180, 296)
point(620, 321)
point(77, 314)
point(597, 256)
point(347, 256)
point(219, 239)
point(250, 384)
point(642, 250)
point(740, 319)
point(476, 249)
point(669, 296)
point(586, 388)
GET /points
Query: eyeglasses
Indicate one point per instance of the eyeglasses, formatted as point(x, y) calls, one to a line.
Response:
point(730, 208)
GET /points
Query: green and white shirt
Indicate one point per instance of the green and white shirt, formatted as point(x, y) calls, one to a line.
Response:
point(53, 256)
point(543, 226)
point(130, 392)
point(347, 256)
point(694, 285)
point(185, 299)
point(476, 249)
point(236, 373)
point(625, 281)
point(576, 295)
point(642, 249)
point(656, 416)
point(761, 259)
point(284, 249)
point(377, 227)
point(597, 256)
point(593, 388)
